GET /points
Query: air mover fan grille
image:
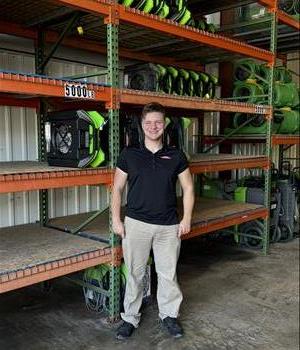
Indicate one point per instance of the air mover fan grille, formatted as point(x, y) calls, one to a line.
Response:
point(62, 139)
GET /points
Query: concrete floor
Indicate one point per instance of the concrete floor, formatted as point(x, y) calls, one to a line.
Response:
point(234, 300)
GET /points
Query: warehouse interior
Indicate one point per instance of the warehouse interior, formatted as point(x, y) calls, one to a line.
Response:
point(74, 76)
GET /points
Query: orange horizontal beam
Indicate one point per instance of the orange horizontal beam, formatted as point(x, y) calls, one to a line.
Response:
point(47, 180)
point(169, 27)
point(47, 271)
point(288, 20)
point(267, 3)
point(224, 222)
point(30, 85)
point(138, 97)
point(99, 7)
point(286, 139)
point(211, 166)
point(93, 46)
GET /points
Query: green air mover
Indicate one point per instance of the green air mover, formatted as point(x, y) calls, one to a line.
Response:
point(182, 84)
point(250, 91)
point(99, 276)
point(200, 24)
point(240, 194)
point(210, 87)
point(157, 6)
point(73, 138)
point(212, 188)
point(265, 73)
point(178, 11)
point(164, 11)
point(170, 79)
point(286, 95)
point(257, 126)
point(143, 5)
point(241, 118)
point(126, 3)
point(291, 121)
point(246, 69)
point(283, 75)
point(287, 6)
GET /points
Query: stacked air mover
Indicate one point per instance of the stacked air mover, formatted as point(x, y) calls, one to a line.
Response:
point(175, 10)
point(291, 7)
point(251, 86)
point(170, 80)
point(76, 139)
point(173, 135)
point(255, 12)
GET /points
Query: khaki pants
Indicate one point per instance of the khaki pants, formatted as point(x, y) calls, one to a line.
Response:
point(139, 238)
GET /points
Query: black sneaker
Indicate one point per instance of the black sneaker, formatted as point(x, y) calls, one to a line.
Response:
point(125, 330)
point(172, 326)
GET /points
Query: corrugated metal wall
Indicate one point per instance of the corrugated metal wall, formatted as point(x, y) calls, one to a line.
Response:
point(18, 141)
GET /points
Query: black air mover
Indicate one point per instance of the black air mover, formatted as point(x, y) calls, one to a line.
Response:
point(144, 77)
point(174, 132)
point(130, 131)
point(76, 139)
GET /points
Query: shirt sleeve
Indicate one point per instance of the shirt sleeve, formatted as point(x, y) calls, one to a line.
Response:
point(182, 163)
point(122, 161)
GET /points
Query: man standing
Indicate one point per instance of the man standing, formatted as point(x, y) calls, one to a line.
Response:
point(151, 221)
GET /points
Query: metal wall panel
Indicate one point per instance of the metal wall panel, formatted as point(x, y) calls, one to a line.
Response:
point(18, 141)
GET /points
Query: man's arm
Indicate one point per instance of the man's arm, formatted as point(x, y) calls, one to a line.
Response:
point(120, 180)
point(186, 182)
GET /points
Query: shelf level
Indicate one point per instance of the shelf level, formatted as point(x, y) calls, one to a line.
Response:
point(32, 254)
point(26, 176)
point(279, 139)
point(26, 84)
point(286, 139)
point(29, 175)
point(138, 97)
point(208, 215)
point(136, 17)
point(215, 214)
point(201, 163)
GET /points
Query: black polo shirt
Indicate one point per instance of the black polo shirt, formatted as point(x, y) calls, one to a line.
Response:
point(152, 180)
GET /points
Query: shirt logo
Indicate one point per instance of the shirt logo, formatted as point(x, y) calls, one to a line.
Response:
point(165, 157)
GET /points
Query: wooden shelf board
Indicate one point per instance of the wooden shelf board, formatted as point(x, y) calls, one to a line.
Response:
point(209, 215)
point(218, 162)
point(32, 254)
point(214, 214)
point(277, 139)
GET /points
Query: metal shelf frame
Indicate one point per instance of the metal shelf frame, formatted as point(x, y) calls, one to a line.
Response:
point(14, 85)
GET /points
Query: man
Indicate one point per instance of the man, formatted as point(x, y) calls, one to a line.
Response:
point(151, 219)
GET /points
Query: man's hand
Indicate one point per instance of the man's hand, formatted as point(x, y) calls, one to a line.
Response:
point(118, 228)
point(184, 227)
